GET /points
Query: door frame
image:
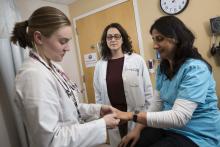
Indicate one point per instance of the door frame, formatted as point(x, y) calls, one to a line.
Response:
point(109, 5)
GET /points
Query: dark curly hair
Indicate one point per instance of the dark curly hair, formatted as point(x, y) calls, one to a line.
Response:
point(126, 46)
point(172, 27)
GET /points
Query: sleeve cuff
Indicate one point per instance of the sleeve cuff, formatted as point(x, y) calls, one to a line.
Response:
point(103, 132)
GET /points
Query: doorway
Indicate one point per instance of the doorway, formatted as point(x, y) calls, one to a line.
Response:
point(89, 30)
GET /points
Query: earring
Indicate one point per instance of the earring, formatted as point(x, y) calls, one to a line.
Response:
point(175, 41)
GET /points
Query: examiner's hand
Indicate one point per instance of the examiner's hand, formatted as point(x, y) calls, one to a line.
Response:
point(106, 109)
point(111, 120)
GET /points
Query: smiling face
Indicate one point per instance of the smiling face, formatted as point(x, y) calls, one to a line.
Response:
point(114, 39)
point(55, 47)
point(164, 45)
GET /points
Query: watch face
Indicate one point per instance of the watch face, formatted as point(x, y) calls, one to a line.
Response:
point(172, 7)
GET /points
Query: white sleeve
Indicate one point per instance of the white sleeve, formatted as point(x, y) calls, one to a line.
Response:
point(147, 86)
point(89, 112)
point(177, 117)
point(96, 84)
point(41, 109)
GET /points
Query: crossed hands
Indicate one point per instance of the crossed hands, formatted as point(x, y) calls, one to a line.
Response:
point(113, 117)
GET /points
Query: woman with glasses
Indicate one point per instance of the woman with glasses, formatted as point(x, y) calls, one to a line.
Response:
point(121, 79)
point(189, 116)
point(47, 99)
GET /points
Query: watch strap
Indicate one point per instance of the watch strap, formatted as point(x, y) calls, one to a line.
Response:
point(135, 116)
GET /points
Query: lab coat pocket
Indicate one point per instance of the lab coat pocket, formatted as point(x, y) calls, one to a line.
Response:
point(130, 77)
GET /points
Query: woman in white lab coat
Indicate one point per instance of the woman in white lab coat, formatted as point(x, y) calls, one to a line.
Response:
point(47, 99)
point(121, 79)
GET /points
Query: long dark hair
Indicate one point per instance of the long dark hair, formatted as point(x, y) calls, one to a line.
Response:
point(172, 27)
point(45, 20)
point(126, 45)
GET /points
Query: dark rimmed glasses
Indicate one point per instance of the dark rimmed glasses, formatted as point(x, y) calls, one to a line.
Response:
point(116, 36)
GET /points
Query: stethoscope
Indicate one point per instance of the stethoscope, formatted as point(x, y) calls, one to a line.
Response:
point(64, 81)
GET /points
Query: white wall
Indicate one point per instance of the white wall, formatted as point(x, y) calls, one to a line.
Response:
point(4, 136)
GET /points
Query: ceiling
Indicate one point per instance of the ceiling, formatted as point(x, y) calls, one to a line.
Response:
point(65, 2)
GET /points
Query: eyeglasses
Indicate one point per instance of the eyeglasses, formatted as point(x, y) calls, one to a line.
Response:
point(116, 36)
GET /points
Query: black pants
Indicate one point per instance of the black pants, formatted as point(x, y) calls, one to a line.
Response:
point(153, 137)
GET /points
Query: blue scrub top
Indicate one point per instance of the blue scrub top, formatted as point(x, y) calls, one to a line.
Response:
point(195, 83)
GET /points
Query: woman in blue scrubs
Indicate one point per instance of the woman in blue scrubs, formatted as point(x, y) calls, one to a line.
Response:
point(189, 115)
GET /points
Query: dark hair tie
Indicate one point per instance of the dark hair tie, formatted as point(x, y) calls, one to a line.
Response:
point(26, 23)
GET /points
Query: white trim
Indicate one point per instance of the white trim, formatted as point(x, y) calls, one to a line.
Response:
point(138, 26)
point(80, 62)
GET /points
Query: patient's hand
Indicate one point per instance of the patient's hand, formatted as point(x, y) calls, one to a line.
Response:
point(123, 116)
point(130, 139)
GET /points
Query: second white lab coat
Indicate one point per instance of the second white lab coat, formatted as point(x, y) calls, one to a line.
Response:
point(49, 115)
point(137, 87)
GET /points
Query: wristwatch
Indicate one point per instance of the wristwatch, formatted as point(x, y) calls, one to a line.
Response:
point(135, 116)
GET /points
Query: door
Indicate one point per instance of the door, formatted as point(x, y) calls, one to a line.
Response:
point(89, 31)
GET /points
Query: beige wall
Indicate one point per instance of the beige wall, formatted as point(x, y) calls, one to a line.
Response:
point(196, 16)
point(83, 6)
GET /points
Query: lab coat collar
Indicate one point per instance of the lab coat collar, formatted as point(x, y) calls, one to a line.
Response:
point(40, 58)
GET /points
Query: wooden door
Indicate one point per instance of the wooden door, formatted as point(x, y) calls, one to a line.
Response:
point(89, 31)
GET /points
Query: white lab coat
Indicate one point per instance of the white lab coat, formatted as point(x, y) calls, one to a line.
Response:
point(137, 87)
point(49, 115)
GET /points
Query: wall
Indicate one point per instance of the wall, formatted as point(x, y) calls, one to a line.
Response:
point(4, 137)
point(196, 16)
point(5, 140)
point(83, 6)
